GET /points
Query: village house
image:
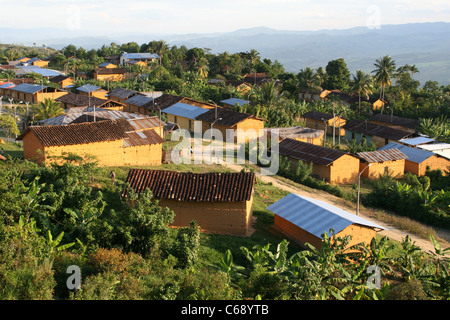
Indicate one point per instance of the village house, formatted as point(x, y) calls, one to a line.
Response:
point(110, 142)
point(110, 74)
point(139, 103)
point(91, 114)
point(121, 94)
point(334, 166)
point(107, 65)
point(309, 96)
point(244, 126)
point(420, 160)
point(143, 56)
point(298, 133)
point(219, 202)
point(405, 124)
point(326, 122)
point(376, 163)
point(183, 114)
point(35, 62)
point(91, 90)
point(241, 86)
point(305, 220)
point(63, 81)
point(113, 59)
point(35, 93)
point(360, 131)
point(78, 100)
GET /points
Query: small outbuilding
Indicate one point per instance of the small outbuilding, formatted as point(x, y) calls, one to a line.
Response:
point(219, 202)
point(305, 220)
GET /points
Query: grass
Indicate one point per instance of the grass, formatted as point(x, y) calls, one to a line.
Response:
point(13, 150)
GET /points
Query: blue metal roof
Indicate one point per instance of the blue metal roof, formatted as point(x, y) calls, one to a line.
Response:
point(139, 100)
point(28, 88)
point(185, 110)
point(88, 88)
point(316, 216)
point(414, 155)
point(142, 55)
point(7, 85)
point(416, 141)
point(104, 64)
point(42, 71)
point(233, 101)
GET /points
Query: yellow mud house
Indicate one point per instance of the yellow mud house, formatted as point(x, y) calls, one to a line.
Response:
point(110, 142)
point(219, 202)
point(334, 166)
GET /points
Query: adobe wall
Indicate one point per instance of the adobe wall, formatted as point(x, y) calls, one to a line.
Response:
point(215, 217)
point(396, 168)
point(295, 233)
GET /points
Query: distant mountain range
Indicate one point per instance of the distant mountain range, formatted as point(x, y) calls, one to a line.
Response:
point(426, 45)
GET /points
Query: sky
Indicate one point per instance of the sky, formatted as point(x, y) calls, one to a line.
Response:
point(100, 17)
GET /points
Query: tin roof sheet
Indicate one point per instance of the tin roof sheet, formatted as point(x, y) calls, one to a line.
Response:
point(28, 88)
point(414, 154)
point(88, 88)
point(382, 155)
point(139, 100)
point(141, 55)
point(316, 216)
point(309, 152)
point(185, 110)
point(416, 141)
point(233, 101)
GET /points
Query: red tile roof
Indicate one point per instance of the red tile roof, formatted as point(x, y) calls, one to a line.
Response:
point(80, 133)
point(187, 186)
point(142, 138)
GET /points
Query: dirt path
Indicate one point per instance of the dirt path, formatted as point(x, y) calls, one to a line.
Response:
point(391, 231)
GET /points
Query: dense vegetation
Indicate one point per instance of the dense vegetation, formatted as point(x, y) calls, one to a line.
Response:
point(59, 216)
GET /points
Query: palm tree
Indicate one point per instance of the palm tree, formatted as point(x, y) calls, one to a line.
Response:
point(48, 108)
point(385, 68)
point(268, 94)
point(309, 80)
point(361, 85)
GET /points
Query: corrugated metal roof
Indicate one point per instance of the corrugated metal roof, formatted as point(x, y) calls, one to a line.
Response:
point(414, 155)
point(233, 101)
point(316, 216)
point(382, 155)
point(185, 110)
point(140, 138)
point(145, 123)
point(34, 69)
point(74, 113)
point(28, 88)
point(309, 152)
point(88, 88)
point(7, 85)
point(142, 55)
point(416, 141)
point(442, 149)
point(139, 100)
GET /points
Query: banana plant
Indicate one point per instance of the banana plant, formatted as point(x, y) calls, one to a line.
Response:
point(54, 244)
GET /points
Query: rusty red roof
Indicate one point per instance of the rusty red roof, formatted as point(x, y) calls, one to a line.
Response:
point(142, 138)
point(188, 186)
point(309, 152)
point(382, 155)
